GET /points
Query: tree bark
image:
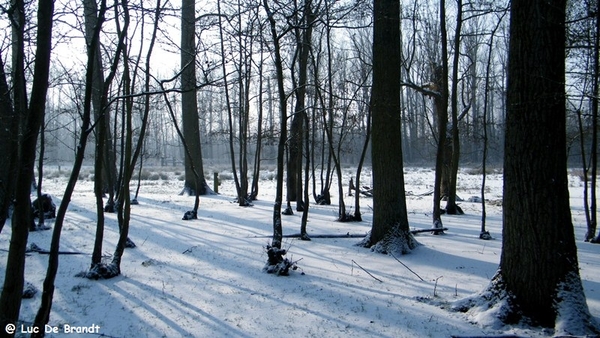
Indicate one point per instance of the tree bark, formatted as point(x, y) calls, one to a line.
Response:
point(451, 207)
point(32, 118)
point(539, 249)
point(593, 223)
point(277, 226)
point(9, 121)
point(390, 230)
point(189, 103)
point(539, 272)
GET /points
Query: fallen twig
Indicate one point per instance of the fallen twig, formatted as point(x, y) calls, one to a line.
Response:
point(375, 278)
point(34, 248)
point(189, 250)
point(409, 269)
point(416, 231)
point(298, 235)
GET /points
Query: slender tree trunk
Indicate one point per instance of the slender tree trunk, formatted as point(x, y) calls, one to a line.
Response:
point(259, 132)
point(32, 119)
point(441, 113)
point(440, 79)
point(238, 189)
point(304, 221)
point(594, 165)
point(40, 206)
point(124, 201)
point(294, 165)
point(451, 207)
point(277, 226)
point(328, 122)
point(357, 214)
point(484, 234)
point(91, 21)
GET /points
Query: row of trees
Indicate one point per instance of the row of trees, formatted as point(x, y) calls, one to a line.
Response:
point(237, 79)
point(305, 83)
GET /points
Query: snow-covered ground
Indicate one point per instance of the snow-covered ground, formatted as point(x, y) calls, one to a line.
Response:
point(204, 277)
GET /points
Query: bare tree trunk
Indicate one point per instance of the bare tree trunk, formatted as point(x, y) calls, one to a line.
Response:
point(538, 279)
point(241, 199)
point(484, 234)
point(195, 183)
point(8, 146)
point(259, 132)
point(328, 121)
point(32, 118)
point(440, 110)
point(357, 213)
point(91, 21)
point(390, 232)
point(294, 165)
point(277, 227)
point(324, 197)
point(40, 225)
point(304, 221)
point(451, 207)
point(594, 165)
point(124, 201)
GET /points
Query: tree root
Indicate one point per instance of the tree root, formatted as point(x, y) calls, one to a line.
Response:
point(485, 235)
point(395, 241)
point(102, 271)
point(572, 314)
point(277, 264)
point(189, 215)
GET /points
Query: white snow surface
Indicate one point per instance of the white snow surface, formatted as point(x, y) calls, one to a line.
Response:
point(205, 277)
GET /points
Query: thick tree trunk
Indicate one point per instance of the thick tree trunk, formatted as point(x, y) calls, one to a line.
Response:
point(539, 272)
point(9, 121)
point(294, 173)
point(539, 251)
point(390, 230)
point(189, 104)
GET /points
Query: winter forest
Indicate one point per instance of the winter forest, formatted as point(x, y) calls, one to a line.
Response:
point(301, 168)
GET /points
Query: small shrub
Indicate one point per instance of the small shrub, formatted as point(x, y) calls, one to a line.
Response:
point(270, 175)
point(479, 171)
point(144, 175)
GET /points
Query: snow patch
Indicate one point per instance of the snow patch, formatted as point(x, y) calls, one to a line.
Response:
point(572, 313)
